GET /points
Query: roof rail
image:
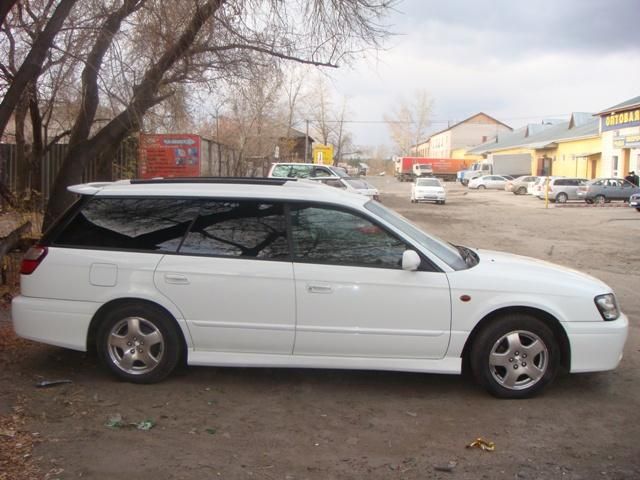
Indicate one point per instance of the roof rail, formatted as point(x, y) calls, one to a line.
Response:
point(229, 180)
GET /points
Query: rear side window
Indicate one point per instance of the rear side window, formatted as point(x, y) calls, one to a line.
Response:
point(248, 228)
point(281, 171)
point(148, 224)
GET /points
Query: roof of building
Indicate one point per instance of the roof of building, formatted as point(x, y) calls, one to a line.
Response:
point(632, 102)
point(293, 133)
point(451, 127)
point(544, 135)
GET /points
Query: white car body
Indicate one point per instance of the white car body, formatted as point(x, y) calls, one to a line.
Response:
point(354, 185)
point(495, 182)
point(428, 190)
point(252, 312)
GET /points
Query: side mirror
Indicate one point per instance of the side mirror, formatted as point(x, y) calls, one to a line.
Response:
point(410, 260)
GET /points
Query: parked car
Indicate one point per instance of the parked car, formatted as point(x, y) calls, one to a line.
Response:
point(354, 185)
point(428, 190)
point(562, 189)
point(520, 185)
point(540, 186)
point(305, 170)
point(603, 190)
point(495, 182)
point(634, 201)
point(286, 273)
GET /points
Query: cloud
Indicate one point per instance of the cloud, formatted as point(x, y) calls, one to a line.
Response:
point(518, 61)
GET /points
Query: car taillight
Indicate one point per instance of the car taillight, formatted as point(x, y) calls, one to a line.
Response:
point(32, 259)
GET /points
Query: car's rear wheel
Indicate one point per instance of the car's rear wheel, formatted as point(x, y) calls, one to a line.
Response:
point(599, 199)
point(515, 356)
point(139, 343)
point(562, 198)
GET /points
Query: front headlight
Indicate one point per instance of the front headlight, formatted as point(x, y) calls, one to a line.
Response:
point(607, 306)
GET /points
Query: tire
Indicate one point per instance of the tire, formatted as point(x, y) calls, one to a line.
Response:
point(638, 209)
point(562, 198)
point(481, 187)
point(599, 200)
point(521, 191)
point(499, 356)
point(589, 201)
point(125, 329)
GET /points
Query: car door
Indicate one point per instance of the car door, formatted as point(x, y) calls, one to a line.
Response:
point(352, 296)
point(233, 278)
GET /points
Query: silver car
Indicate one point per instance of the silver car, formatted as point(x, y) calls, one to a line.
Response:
point(563, 189)
point(603, 190)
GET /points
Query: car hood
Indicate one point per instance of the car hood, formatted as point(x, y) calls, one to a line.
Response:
point(502, 271)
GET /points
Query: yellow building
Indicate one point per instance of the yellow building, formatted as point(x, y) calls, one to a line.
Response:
point(563, 148)
point(620, 130)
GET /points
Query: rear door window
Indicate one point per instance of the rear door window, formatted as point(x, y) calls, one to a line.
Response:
point(244, 228)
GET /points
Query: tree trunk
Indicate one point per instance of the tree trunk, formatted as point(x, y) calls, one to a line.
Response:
point(11, 240)
point(30, 68)
point(144, 97)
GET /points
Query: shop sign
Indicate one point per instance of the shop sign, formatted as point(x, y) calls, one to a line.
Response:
point(630, 141)
point(615, 121)
point(169, 155)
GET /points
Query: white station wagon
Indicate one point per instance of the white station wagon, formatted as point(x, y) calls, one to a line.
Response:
point(283, 273)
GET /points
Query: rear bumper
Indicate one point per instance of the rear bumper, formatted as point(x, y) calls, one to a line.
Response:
point(55, 322)
point(596, 346)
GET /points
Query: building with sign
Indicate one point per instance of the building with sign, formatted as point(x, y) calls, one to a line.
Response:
point(620, 129)
point(553, 147)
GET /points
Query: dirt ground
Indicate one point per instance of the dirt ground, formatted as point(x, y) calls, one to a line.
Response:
point(299, 424)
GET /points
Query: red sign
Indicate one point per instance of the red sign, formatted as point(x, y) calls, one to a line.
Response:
point(169, 155)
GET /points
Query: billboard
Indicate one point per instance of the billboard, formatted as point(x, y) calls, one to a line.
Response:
point(169, 155)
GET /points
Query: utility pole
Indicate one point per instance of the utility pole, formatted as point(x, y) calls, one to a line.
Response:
point(306, 143)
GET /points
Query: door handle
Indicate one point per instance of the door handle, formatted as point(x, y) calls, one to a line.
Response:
point(319, 288)
point(176, 279)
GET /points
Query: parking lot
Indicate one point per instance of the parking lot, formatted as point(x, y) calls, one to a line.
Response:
point(297, 424)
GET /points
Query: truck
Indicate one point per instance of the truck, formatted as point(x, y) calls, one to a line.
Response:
point(444, 168)
point(512, 165)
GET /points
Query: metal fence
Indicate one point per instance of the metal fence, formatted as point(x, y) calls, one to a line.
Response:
point(40, 181)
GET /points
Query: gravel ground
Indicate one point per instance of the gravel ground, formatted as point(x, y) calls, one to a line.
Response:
point(298, 424)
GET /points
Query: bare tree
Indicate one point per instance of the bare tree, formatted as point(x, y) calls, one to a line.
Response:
point(133, 61)
point(30, 68)
point(408, 122)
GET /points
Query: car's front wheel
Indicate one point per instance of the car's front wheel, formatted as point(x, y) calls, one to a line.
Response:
point(521, 191)
point(599, 199)
point(515, 356)
point(481, 187)
point(562, 198)
point(139, 343)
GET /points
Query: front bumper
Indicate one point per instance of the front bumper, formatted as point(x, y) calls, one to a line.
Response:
point(596, 346)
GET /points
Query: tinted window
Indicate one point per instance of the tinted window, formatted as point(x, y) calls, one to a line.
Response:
point(281, 171)
point(155, 224)
point(560, 183)
point(239, 229)
point(331, 236)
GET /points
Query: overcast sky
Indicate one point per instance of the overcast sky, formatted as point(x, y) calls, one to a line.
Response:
point(519, 61)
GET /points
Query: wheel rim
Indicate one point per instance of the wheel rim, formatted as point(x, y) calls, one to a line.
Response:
point(599, 199)
point(135, 345)
point(522, 191)
point(562, 198)
point(518, 360)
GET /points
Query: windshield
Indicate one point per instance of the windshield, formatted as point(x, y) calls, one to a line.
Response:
point(428, 182)
point(444, 251)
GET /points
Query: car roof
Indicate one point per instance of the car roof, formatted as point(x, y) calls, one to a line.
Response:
point(228, 187)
